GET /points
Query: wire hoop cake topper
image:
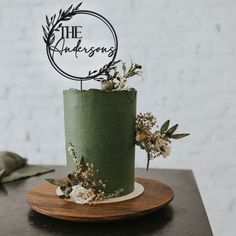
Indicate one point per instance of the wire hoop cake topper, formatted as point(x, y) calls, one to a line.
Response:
point(75, 44)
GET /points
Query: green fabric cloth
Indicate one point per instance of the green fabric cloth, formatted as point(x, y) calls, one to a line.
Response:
point(14, 167)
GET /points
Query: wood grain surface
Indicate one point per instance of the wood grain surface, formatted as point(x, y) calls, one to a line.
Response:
point(44, 200)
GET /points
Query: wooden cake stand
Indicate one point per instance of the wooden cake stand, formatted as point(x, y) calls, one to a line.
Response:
point(44, 200)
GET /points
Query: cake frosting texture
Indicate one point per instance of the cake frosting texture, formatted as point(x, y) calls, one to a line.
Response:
point(101, 126)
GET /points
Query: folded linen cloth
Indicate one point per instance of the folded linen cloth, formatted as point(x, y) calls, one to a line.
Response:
point(14, 167)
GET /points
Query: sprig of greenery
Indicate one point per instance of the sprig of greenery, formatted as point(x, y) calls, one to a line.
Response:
point(169, 133)
point(53, 24)
point(83, 176)
point(155, 143)
point(114, 79)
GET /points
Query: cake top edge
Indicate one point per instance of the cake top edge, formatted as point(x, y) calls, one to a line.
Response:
point(93, 90)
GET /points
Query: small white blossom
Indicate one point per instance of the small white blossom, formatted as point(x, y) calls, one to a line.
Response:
point(81, 195)
point(122, 85)
point(162, 147)
point(71, 149)
point(116, 86)
point(166, 151)
point(106, 85)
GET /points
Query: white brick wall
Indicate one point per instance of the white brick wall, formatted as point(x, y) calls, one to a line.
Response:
point(188, 50)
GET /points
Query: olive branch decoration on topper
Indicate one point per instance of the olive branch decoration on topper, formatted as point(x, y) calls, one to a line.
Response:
point(53, 24)
point(53, 41)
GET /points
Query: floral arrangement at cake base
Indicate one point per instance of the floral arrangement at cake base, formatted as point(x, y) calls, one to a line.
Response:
point(81, 186)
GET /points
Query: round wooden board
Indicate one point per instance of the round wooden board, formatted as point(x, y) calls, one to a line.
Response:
point(44, 200)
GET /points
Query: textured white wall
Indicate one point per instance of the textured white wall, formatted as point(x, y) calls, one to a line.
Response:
point(188, 51)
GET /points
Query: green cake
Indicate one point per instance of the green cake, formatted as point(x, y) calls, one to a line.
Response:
point(101, 130)
point(101, 126)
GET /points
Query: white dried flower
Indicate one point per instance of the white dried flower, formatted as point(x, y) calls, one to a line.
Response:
point(142, 135)
point(71, 149)
point(122, 85)
point(116, 86)
point(106, 85)
point(162, 147)
point(81, 195)
point(112, 72)
point(145, 120)
point(165, 151)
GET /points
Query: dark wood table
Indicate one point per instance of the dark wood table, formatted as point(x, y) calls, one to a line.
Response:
point(185, 215)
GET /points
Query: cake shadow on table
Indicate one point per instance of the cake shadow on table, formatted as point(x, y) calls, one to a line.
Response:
point(142, 225)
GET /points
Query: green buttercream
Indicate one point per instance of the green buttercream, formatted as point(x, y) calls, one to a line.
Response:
point(101, 126)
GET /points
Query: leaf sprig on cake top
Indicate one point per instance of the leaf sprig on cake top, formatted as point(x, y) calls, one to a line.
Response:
point(115, 78)
point(154, 142)
point(81, 185)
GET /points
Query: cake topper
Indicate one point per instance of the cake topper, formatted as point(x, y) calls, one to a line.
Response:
point(80, 44)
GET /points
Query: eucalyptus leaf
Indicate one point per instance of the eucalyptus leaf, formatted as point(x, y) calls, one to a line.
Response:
point(52, 40)
point(77, 7)
point(44, 39)
point(116, 62)
point(57, 182)
point(165, 126)
point(171, 130)
point(47, 20)
point(178, 136)
point(67, 18)
point(45, 32)
point(68, 10)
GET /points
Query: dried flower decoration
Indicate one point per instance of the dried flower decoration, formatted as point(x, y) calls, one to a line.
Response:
point(114, 80)
point(81, 185)
point(155, 143)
